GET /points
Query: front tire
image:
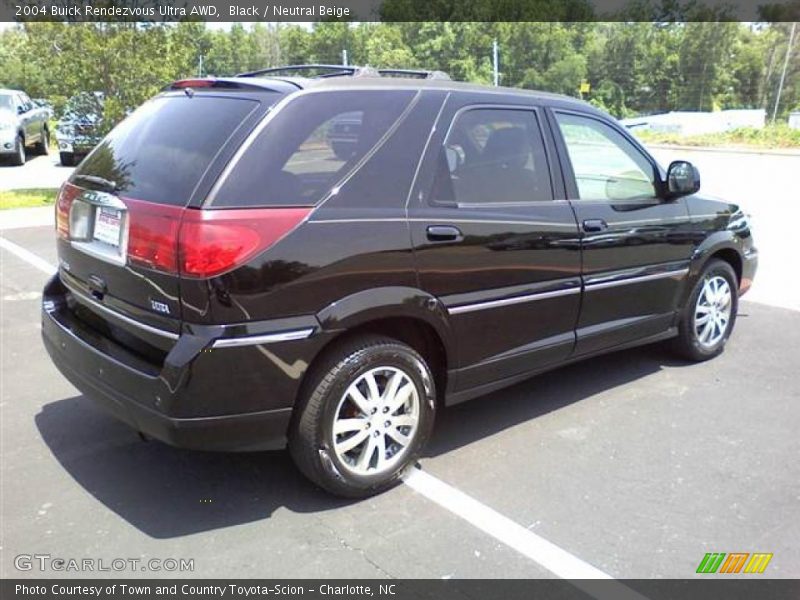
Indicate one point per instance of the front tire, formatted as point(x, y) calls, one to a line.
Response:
point(18, 158)
point(708, 318)
point(365, 414)
point(67, 159)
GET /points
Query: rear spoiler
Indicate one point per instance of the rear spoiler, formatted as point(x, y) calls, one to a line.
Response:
point(218, 84)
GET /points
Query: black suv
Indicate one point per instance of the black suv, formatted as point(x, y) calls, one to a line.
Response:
point(228, 281)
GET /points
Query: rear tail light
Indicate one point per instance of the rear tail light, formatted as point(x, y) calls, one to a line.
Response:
point(190, 242)
point(203, 243)
point(153, 235)
point(212, 242)
point(66, 196)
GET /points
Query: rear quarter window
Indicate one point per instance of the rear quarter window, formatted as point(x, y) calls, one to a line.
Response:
point(161, 151)
point(310, 145)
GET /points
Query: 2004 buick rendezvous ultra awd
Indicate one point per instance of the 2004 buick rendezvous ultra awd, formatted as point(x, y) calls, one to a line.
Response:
point(229, 281)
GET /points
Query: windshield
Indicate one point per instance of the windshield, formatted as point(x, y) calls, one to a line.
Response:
point(84, 106)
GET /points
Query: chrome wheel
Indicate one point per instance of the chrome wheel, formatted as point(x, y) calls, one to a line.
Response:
point(376, 421)
point(712, 312)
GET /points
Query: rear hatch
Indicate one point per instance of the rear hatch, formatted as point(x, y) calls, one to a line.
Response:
point(120, 214)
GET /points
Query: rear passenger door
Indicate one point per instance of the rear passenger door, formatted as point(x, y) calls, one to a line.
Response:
point(636, 246)
point(28, 122)
point(495, 240)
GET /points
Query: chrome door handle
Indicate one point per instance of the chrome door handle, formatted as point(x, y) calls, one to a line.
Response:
point(594, 225)
point(444, 233)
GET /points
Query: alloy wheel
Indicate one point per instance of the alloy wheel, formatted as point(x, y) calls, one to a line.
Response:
point(712, 312)
point(376, 421)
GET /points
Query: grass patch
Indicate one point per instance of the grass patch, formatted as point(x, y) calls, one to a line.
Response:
point(772, 136)
point(27, 198)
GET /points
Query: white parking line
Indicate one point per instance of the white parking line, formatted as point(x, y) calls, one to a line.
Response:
point(556, 560)
point(545, 553)
point(28, 256)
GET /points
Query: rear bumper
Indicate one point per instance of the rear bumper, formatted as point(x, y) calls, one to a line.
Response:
point(196, 399)
point(253, 431)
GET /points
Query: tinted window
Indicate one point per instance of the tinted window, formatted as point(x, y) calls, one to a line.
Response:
point(160, 152)
point(606, 165)
point(493, 156)
point(309, 146)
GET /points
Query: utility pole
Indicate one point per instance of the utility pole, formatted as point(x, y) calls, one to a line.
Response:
point(200, 66)
point(495, 62)
point(344, 57)
point(783, 73)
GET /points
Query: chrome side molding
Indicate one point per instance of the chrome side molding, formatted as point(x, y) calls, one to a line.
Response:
point(465, 308)
point(268, 338)
point(602, 285)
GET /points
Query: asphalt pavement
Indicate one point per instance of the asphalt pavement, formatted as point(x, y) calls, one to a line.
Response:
point(632, 465)
point(37, 172)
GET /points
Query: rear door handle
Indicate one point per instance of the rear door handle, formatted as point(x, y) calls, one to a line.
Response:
point(444, 233)
point(594, 225)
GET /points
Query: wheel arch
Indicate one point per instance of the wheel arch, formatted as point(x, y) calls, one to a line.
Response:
point(722, 245)
point(406, 314)
point(732, 257)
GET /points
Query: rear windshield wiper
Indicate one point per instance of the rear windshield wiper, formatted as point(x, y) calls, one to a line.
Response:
point(105, 184)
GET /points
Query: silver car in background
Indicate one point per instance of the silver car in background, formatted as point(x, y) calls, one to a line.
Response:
point(22, 124)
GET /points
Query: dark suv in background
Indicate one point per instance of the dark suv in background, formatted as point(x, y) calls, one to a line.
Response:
point(229, 281)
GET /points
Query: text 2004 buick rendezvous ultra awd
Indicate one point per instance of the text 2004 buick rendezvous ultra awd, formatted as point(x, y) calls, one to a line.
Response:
point(228, 281)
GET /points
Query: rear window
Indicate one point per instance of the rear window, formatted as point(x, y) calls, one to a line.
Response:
point(160, 152)
point(313, 143)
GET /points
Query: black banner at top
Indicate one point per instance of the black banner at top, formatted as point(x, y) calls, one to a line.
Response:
point(158, 11)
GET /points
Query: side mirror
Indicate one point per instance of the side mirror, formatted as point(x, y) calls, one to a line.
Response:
point(20, 109)
point(683, 179)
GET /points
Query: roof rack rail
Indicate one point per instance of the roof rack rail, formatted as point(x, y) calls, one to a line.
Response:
point(414, 73)
point(319, 71)
point(322, 71)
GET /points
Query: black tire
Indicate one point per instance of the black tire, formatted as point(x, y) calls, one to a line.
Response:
point(43, 145)
point(18, 158)
point(311, 436)
point(67, 159)
point(688, 343)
